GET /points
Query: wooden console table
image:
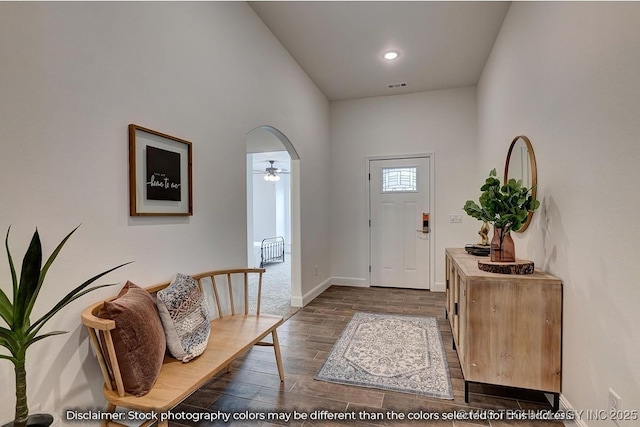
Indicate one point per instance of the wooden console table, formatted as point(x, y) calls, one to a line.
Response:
point(506, 328)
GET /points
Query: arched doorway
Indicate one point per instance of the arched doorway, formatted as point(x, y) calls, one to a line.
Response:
point(273, 207)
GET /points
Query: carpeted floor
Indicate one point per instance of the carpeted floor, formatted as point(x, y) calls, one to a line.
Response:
point(390, 352)
point(276, 290)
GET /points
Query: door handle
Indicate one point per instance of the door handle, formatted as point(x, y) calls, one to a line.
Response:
point(423, 231)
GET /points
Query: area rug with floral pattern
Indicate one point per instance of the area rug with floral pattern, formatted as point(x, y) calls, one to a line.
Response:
point(390, 352)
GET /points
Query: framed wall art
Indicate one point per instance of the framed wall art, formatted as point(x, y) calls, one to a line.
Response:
point(160, 176)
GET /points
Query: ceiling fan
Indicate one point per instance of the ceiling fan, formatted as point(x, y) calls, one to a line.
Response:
point(271, 173)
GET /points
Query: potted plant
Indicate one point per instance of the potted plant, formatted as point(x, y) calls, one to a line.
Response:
point(20, 332)
point(506, 208)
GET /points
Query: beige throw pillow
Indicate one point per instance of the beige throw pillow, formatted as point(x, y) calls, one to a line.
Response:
point(185, 317)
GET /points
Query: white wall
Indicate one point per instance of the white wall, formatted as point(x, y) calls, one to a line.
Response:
point(441, 122)
point(271, 208)
point(73, 76)
point(283, 209)
point(567, 75)
point(264, 208)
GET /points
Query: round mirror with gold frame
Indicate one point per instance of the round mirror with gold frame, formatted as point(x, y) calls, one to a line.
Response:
point(521, 165)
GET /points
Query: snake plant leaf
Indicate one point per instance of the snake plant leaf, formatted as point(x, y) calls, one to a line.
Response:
point(29, 278)
point(6, 309)
point(11, 358)
point(41, 337)
point(43, 271)
point(9, 340)
point(14, 276)
point(69, 298)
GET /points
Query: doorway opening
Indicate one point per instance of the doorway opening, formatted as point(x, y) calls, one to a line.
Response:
point(273, 215)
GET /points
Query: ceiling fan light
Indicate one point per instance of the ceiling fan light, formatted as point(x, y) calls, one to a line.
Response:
point(271, 173)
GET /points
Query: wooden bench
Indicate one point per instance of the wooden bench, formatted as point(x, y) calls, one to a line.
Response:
point(233, 333)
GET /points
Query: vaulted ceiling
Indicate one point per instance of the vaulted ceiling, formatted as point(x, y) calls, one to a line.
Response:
point(340, 44)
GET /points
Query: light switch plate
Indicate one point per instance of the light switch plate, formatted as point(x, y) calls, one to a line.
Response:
point(455, 218)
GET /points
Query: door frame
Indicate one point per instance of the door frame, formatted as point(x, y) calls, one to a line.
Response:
point(432, 200)
point(295, 213)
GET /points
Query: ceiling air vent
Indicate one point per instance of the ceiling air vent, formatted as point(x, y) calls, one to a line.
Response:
point(397, 85)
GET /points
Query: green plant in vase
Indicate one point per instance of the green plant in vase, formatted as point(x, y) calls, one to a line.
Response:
point(505, 207)
point(20, 332)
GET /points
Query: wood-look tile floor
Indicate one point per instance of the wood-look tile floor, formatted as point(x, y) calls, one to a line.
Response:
point(253, 387)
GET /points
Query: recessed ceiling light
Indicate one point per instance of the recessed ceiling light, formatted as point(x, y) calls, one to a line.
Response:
point(391, 55)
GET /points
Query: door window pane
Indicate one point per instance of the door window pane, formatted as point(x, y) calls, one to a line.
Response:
point(399, 179)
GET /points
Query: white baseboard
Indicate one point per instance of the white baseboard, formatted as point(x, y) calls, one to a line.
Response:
point(358, 282)
point(311, 295)
point(566, 406)
point(439, 287)
point(297, 301)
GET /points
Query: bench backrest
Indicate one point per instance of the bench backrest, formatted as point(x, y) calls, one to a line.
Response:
point(227, 293)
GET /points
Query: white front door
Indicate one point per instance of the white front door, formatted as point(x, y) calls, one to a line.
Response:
point(398, 201)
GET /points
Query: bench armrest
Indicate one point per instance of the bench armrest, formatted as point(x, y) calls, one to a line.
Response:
point(91, 320)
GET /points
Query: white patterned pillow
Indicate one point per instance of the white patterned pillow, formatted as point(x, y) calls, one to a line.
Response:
point(185, 317)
